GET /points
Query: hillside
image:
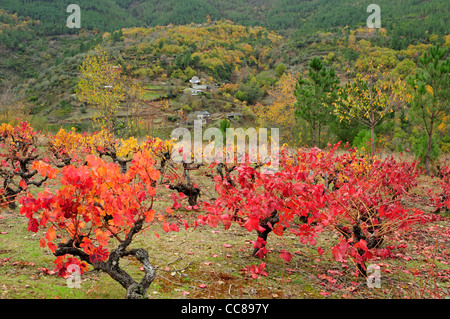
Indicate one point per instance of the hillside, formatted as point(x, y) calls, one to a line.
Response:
point(409, 18)
point(242, 65)
point(43, 71)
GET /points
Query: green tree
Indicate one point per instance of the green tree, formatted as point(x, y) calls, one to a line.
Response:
point(280, 69)
point(368, 99)
point(314, 94)
point(430, 94)
point(250, 92)
point(190, 72)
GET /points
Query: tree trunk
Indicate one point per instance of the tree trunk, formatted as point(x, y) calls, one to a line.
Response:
point(190, 191)
point(313, 135)
point(318, 134)
point(135, 290)
point(272, 219)
point(428, 156)
point(372, 142)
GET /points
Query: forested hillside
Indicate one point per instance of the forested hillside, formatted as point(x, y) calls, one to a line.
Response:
point(253, 59)
point(408, 18)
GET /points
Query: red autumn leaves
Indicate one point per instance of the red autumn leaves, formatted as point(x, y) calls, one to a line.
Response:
point(95, 203)
point(326, 190)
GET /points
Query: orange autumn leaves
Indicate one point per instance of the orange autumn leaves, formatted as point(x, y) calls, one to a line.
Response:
point(96, 205)
point(45, 169)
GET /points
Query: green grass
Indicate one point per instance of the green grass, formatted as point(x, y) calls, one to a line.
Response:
point(150, 95)
point(153, 92)
point(186, 259)
point(189, 258)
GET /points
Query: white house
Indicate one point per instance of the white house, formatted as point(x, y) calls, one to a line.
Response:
point(202, 87)
point(195, 80)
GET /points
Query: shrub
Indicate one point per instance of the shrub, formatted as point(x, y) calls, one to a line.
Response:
point(280, 69)
point(241, 96)
point(362, 141)
point(97, 207)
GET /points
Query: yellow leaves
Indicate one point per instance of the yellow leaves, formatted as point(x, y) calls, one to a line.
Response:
point(71, 142)
point(168, 146)
point(101, 85)
point(213, 42)
point(351, 40)
point(443, 126)
point(127, 147)
point(100, 139)
point(281, 113)
point(166, 104)
point(447, 40)
point(5, 129)
point(247, 48)
point(366, 100)
point(429, 89)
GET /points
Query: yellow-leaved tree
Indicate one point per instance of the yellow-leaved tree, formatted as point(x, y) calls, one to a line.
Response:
point(102, 86)
point(281, 113)
point(369, 98)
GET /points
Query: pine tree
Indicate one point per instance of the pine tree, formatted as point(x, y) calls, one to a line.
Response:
point(314, 94)
point(431, 93)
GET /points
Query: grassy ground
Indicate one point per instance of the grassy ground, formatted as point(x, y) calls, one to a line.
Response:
point(188, 259)
point(208, 263)
point(153, 92)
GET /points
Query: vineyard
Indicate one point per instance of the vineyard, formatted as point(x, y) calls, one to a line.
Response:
point(134, 222)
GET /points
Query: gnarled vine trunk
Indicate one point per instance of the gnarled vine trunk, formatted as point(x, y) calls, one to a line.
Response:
point(135, 290)
point(272, 219)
